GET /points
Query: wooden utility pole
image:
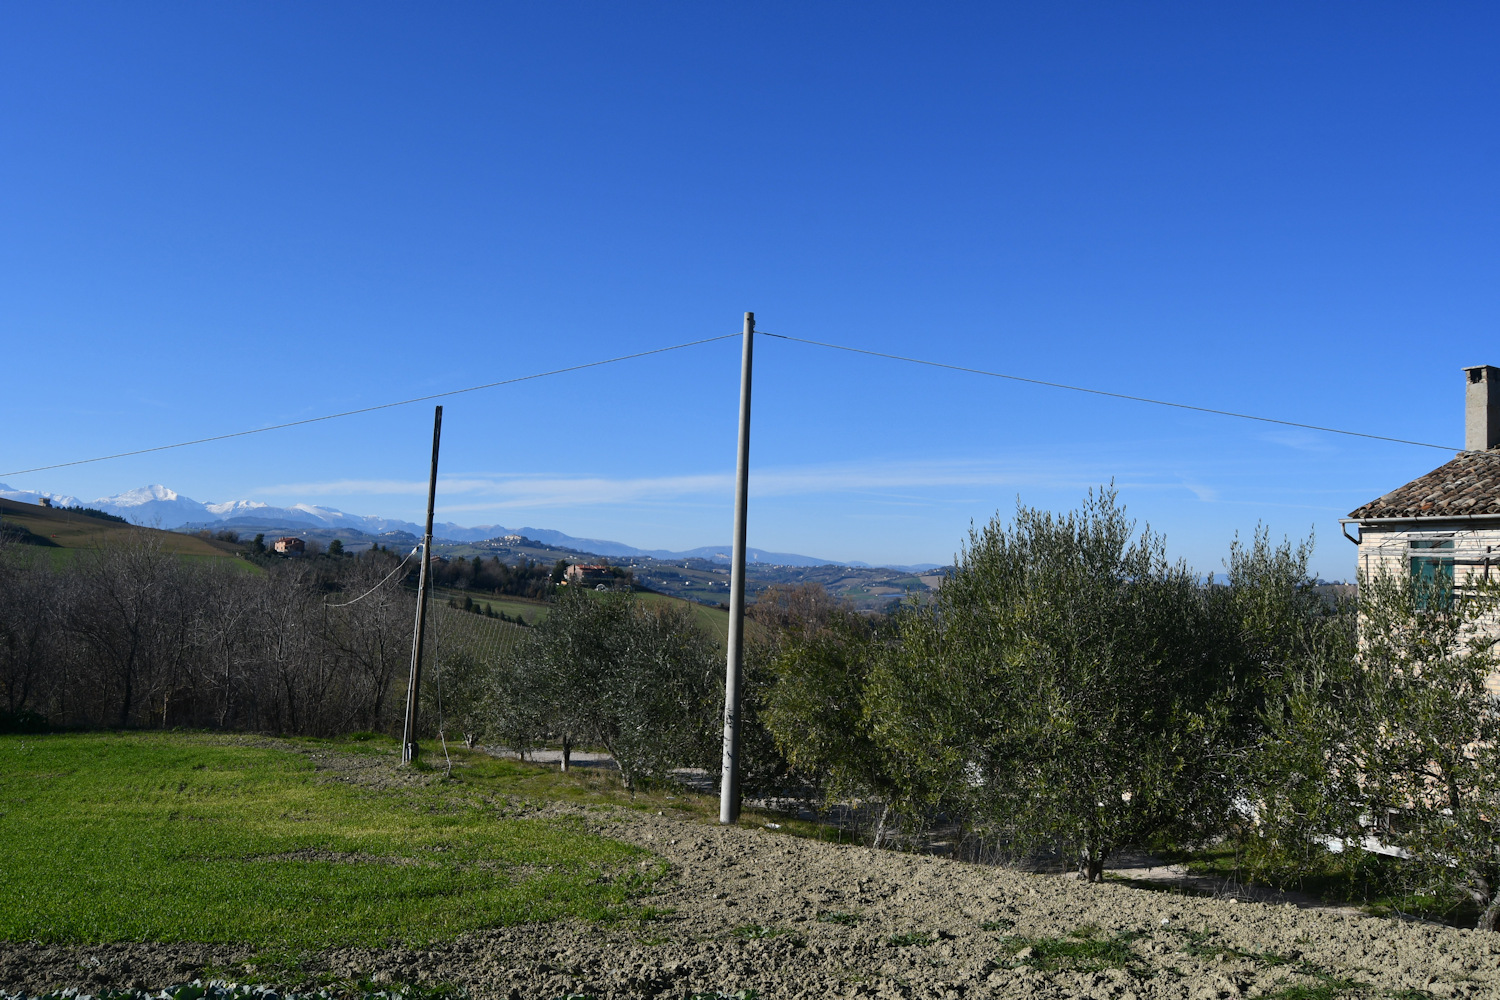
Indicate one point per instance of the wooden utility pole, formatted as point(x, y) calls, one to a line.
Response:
point(414, 683)
point(729, 787)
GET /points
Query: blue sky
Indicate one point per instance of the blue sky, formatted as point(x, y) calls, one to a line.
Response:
point(221, 216)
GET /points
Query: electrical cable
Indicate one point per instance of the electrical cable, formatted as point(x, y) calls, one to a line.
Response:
point(371, 409)
point(1102, 392)
point(382, 583)
point(727, 336)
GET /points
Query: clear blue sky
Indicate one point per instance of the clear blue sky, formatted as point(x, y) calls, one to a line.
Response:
point(220, 216)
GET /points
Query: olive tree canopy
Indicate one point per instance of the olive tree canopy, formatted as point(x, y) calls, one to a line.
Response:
point(610, 670)
point(1067, 688)
point(1392, 739)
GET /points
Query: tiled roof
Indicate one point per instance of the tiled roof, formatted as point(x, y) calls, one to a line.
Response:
point(1470, 484)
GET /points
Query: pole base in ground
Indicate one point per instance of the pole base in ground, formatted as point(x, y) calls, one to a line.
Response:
point(408, 753)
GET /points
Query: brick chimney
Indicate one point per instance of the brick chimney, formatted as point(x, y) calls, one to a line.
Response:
point(1482, 408)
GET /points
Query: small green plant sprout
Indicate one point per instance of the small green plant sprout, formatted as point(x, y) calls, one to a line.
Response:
point(838, 917)
point(919, 938)
point(219, 989)
point(1325, 986)
point(1201, 944)
point(998, 924)
point(1085, 949)
point(648, 914)
point(1330, 989)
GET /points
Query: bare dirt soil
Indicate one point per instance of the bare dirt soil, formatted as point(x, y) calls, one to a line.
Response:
point(748, 909)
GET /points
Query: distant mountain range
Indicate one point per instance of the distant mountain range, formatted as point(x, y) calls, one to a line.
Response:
point(160, 507)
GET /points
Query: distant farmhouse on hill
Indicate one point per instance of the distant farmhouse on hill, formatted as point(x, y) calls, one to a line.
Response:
point(290, 546)
point(590, 576)
point(1444, 526)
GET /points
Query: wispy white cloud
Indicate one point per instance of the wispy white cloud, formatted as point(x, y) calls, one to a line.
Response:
point(1300, 440)
point(344, 487)
point(1207, 494)
point(898, 480)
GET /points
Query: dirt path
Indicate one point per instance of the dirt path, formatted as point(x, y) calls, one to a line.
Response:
point(748, 909)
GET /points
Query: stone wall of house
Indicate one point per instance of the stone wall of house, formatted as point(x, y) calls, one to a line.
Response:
point(1383, 550)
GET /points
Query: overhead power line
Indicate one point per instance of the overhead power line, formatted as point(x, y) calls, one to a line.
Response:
point(372, 409)
point(382, 583)
point(1102, 392)
point(728, 336)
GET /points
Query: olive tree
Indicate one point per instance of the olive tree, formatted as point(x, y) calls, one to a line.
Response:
point(639, 680)
point(1393, 738)
point(1064, 689)
point(818, 657)
point(1289, 634)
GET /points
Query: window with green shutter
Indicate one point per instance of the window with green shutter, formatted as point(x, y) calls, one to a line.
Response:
point(1431, 562)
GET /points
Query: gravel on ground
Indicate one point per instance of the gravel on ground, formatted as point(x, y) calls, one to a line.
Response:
point(749, 909)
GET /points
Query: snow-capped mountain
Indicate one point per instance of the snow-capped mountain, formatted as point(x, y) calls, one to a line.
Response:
point(31, 496)
point(161, 507)
point(237, 508)
point(154, 506)
point(157, 506)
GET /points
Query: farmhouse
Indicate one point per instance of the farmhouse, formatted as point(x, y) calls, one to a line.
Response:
point(589, 575)
point(1444, 525)
point(290, 546)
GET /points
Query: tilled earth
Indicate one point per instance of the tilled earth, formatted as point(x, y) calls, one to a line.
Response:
point(747, 909)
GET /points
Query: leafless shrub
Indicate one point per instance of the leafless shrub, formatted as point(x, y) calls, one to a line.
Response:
point(131, 635)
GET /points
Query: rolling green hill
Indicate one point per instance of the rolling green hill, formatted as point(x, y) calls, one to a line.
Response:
point(68, 530)
point(714, 621)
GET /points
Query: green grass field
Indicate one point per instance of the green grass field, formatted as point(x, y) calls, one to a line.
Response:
point(516, 607)
point(79, 531)
point(174, 837)
point(454, 630)
point(714, 621)
point(63, 558)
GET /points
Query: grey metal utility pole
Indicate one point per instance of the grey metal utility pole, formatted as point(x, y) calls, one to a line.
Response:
point(729, 787)
point(414, 683)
